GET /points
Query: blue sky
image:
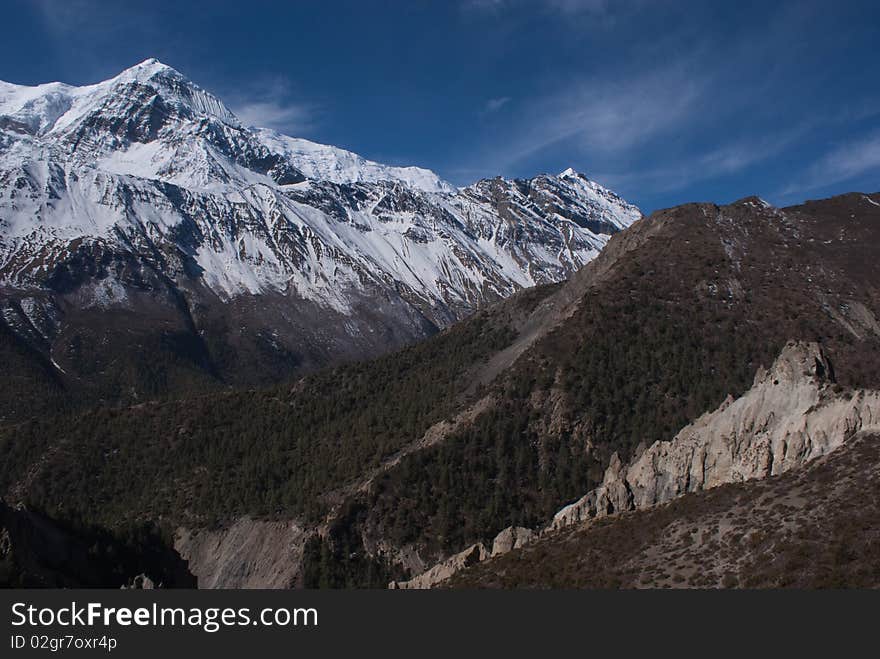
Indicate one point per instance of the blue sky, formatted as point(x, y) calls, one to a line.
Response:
point(665, 102)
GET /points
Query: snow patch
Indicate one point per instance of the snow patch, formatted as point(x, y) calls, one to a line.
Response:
point(330, 163)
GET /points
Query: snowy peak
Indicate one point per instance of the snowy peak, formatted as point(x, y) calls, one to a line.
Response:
point(175, 88)
point(56, 107)
point(568, 197)
point(151, 91)
point(159, 172)
point(191, 133)
point(148, 68)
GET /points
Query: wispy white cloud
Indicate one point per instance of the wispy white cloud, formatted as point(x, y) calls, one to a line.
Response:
point(850, 160)
point(270, 103)
point(722, 160)
point(843, 163)
point(495, 104)
point(674, 113)
point(284, 117)
point(604, 115)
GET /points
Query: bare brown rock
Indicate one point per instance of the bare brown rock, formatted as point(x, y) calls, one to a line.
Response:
point(442, 571)
point(248, 554)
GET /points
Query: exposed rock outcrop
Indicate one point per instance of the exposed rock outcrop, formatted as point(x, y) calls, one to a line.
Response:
point(442, 571)
point(140, 582)
point(513, 537)
point(792, 414)
point(248, 554)
point(817, 526)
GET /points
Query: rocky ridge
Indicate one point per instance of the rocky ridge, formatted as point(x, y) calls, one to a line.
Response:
point(793, 414)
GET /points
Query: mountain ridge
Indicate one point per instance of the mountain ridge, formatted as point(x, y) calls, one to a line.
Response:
point(250, 256)
point(793, 414)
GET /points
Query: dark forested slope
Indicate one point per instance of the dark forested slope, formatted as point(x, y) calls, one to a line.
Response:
point(701, 297)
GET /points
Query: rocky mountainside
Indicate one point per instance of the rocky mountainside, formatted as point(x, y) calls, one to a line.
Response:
point(151, 243)
point(794, 413)
point(380, 470)
point(817, 526)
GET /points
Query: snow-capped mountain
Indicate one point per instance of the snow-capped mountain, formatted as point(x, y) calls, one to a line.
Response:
point(146, 190)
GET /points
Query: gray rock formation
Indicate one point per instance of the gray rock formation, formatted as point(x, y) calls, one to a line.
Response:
point(792, 414)
point(513, 537)
point(141, 582)
point(442, 571)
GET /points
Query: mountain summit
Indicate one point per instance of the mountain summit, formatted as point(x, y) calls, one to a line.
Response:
point(141, 206)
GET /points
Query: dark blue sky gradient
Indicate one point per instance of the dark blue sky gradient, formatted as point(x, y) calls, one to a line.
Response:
point(665, 102)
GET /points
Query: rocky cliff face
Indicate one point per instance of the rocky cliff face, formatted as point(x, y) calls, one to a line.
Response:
point(442, 571)
point(509, 539)
point(792, 414)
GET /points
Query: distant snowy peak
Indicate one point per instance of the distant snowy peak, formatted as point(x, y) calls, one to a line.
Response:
point(55, 107)
point(570, 196)
point(148, 168)
point(330, 163)
point(615, 209)
point(151, 121)
point(33, 109)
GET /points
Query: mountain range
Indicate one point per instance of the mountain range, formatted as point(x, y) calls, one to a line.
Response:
point(558, 392)
point(151, 243)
